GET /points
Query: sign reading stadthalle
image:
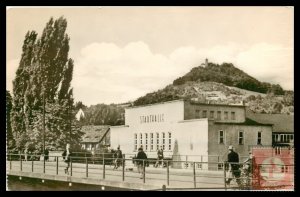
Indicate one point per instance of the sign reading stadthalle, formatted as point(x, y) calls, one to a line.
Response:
point(150, 98)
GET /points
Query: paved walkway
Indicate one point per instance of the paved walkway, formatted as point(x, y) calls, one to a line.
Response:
point(155, 178)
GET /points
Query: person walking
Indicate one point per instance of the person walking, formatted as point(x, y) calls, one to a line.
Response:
point(160, 157)
point(233, 161)
point(141, 161)
point(67, 157)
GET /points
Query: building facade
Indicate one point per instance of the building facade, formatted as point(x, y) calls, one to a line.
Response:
point(189, 131)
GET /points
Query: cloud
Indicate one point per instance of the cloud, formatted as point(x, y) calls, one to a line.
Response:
point(11, 69)
point(118, 74)
point(108, 73)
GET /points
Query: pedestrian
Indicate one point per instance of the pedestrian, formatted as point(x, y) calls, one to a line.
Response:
point(160, 157)
point(251, 170)
point(67, 157)
point(46, 154)
point(25, 154)
point(118, 158)
point(141, 161)
point(233, 161)
point(93, 155)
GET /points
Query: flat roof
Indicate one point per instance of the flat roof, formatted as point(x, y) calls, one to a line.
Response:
point(248, 122)
point(221, 105)
point(177, 100)
point(191, 102)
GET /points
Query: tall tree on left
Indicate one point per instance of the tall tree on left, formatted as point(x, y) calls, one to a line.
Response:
point(42, 90)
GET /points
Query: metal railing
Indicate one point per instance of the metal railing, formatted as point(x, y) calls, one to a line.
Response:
point(173, 174)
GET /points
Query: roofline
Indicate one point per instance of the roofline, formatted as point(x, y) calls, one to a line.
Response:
point(243, 123)
point(172, 101)
point(119, 126)
point(221, 105)
point(193, 120)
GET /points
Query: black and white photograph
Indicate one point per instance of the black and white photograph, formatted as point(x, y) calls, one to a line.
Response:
point(158, 98)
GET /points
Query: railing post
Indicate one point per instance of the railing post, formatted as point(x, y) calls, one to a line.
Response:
point(56, 158)
point(86, 167)
point(224, 169)
point(123, 169)
point(44, 164)
point(32, 166)
point(144, 172)
point(21, 162)
point(103, 166)
point(168, 173)
point(71, 163)
point(194, 172)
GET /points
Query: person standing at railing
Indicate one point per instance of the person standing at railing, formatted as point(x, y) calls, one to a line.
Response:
point(118, 158)
point(160, 157)
point(25, 154)
point(67, 157)
point(46, 154)
point(93, 155)
point(141, 161)
point(233, 160)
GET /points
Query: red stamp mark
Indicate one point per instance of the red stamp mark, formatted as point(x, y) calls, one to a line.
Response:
point(273, 169)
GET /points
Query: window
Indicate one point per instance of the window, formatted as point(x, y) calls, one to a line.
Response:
point(219, 115)
point(141, 139)
point(232, 115)
point(164, 142)
point(226, 115)
point(170, 141)
point(199, 165)
point(135, 141)
point(204, 114)
point(212, 113)
point(241, 137)
point(151, 141)
point(259, 138)
point(197, 114)
point(157, 141)
point(146, 139)
point(221, 137)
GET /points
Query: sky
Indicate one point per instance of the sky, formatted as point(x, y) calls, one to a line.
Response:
point(122, 53)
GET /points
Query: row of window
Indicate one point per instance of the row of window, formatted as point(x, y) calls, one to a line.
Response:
point(283, 138)
point(152, 118)
point(212, 115)
point(240, 137)
point(160, 139)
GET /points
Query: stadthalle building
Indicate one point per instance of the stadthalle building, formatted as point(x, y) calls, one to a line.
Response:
point(189, 131)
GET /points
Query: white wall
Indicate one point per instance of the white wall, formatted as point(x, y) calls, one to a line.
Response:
point(192, 138)
point(191, 135)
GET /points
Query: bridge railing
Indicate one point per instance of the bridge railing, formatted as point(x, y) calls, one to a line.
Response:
point(138, 170)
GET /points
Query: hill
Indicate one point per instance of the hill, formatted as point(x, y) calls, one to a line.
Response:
point(229, 75)
point(224, 84)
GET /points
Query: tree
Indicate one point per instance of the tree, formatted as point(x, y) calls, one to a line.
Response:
point(9, 135)
point(43, 84)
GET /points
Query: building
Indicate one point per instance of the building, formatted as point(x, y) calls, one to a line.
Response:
point(189, 131)
point(283, 128)
point(79, 115)
point(95, 137)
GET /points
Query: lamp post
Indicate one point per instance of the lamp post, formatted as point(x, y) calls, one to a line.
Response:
point(70, 114)
point(44, 130)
